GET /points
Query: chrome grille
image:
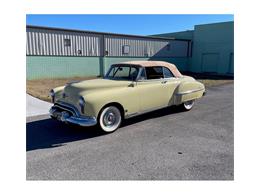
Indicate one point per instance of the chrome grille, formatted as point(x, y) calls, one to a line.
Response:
point(67, 107)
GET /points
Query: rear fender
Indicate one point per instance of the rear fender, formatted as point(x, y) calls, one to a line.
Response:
point(188, 90)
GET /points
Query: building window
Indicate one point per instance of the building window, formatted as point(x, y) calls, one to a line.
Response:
point(126, 49)
point(67, 42)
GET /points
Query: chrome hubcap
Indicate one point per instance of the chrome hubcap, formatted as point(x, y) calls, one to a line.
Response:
point(109, 118)
point(188, 105)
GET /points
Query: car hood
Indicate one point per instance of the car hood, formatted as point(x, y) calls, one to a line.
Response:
point(94, 84)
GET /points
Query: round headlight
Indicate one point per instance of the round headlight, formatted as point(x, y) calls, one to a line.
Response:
point(52, 93)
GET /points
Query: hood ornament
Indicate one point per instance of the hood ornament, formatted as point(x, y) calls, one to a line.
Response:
point(71, 82)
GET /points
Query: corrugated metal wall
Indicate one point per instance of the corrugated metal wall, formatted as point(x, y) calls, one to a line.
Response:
point(50, 42)
point(145, 47)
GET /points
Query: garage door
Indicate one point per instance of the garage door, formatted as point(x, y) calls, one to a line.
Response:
point(210, 62)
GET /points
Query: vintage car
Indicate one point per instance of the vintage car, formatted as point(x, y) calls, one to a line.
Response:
point(128, 89)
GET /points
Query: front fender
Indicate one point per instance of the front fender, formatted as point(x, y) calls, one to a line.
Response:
point(97, 99)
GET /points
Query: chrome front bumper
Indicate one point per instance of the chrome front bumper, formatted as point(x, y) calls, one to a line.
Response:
point(68, 114)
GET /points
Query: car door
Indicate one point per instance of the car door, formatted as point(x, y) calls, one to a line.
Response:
point(152, 89)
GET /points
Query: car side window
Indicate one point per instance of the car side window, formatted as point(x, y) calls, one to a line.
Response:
point(133, 72)
point(154, 72)
point(167, 73)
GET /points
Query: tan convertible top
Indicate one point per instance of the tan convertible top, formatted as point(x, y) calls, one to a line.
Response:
point(170, 66)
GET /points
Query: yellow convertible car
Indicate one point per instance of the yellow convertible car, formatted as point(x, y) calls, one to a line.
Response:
point(128, 89)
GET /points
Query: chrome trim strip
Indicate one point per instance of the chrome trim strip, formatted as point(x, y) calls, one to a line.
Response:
point(160, 80)
point(190, 91)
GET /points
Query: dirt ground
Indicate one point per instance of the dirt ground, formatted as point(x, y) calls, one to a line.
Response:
point(40, 88)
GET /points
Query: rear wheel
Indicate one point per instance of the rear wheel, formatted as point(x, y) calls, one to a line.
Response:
point(188, 105)
point(110, 119)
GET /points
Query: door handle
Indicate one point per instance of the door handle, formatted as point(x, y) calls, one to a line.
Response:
point(131, 85)
point(163, 82)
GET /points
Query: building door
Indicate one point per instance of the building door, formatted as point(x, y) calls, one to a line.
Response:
point(231, 64)
point(210, 62)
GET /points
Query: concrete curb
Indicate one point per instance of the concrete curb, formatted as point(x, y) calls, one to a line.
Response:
point(35, 107)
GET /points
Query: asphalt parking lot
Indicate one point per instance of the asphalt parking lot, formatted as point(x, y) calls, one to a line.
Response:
point(163, 145)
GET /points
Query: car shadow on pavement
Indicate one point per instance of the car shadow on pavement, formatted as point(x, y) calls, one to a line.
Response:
point(49, 133)
point(154, 114)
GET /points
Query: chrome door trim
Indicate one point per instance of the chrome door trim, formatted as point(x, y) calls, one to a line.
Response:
point(162, 79)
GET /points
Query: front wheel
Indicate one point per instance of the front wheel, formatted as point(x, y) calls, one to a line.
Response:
point(188, 105)
point(110, 119)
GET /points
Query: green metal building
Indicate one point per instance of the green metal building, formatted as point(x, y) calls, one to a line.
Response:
point(58, 53)
point(212, 48)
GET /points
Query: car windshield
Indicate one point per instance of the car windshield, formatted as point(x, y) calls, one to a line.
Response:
point(122, 72)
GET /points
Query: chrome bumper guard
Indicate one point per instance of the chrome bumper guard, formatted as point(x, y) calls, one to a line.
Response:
point(68, 114)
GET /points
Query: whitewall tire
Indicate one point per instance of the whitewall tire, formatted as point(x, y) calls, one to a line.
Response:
point(188, 105)
point(110, 119)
